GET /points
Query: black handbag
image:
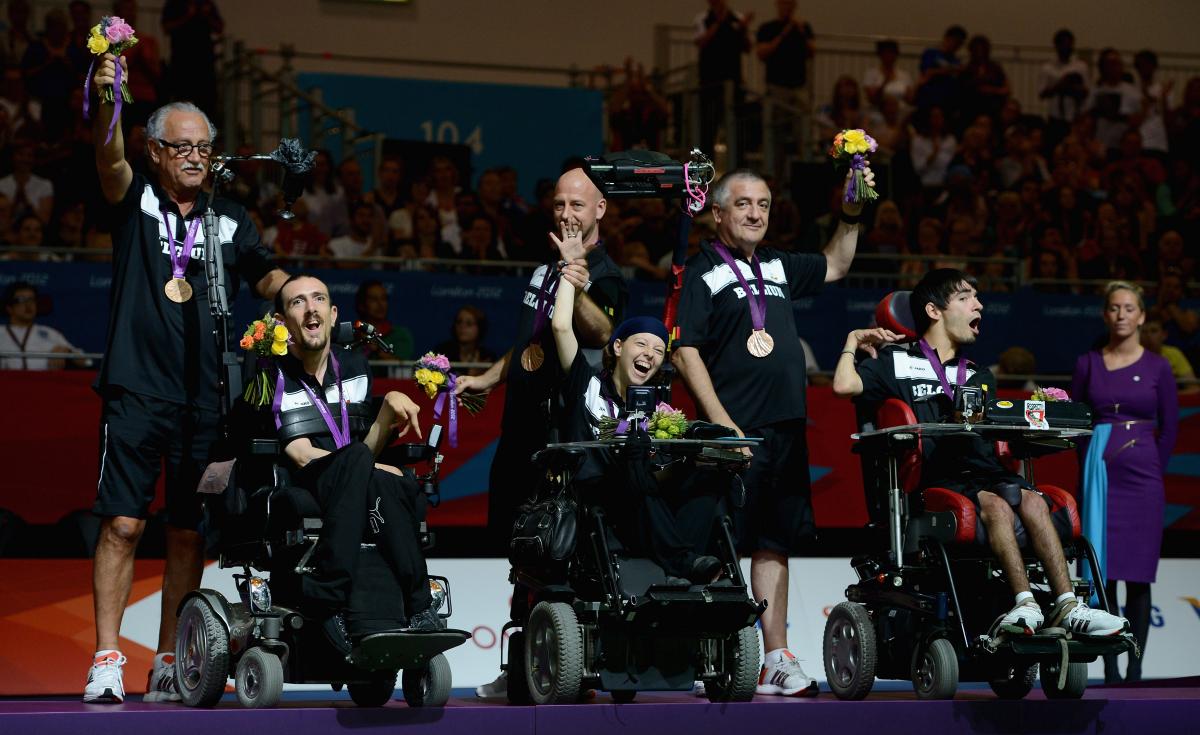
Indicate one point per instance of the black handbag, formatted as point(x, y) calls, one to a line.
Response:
point(544, 531)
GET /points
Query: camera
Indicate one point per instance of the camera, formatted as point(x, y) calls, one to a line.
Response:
point(636, 174)
point(968, 404)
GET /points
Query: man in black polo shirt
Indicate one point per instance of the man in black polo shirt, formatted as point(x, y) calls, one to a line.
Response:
point(531, 368)
point(785, 46)
point(947, 313)
point(722, 36)
point(158, 382)
point(741, 358)
point(321, 388)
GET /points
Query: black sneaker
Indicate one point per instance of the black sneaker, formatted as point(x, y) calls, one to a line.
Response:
point(334, 627)
point(705, 570)
point(425, 622)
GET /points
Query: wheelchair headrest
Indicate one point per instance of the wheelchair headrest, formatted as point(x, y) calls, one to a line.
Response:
point(343, 333)
point(894, 313)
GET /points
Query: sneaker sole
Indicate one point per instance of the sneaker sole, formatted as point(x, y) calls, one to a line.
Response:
point(106, 698)
point(153, 697)
point(811, 690)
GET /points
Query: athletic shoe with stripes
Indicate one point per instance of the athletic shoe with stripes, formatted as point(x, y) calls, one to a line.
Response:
point(1080, 619)
point(105, 683)
point(786, 677)
point(160, 684)
point(1026, 618)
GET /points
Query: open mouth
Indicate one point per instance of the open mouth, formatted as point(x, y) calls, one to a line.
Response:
point(312, 327)
point(974, 325)
point(642, 368)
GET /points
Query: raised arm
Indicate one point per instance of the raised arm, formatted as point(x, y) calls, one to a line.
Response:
point(847, 383)
point(839, 253)
point(116, 175)
point(560, 323)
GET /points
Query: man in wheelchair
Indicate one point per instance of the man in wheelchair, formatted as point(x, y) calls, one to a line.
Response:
point(320, 392)
point(947, 312)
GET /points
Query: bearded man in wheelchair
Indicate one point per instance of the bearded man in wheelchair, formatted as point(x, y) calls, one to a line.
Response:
point(1011, 513)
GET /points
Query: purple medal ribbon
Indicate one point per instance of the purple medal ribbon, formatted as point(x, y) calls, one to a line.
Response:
point(936, 362)
point(623, 424)
point(545, 298)
point(758, 304)
point(179, 263)
point(341, 437)
point(118, 97)
point(441, 403)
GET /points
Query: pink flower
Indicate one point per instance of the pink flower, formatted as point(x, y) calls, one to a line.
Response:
point(117, 30)
point(1056, 394)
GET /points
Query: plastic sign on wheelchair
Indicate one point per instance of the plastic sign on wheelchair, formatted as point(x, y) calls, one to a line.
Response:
point(925, 605)
point(266, 638)
point(592, 615)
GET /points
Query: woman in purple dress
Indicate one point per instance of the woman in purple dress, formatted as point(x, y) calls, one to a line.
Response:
point(1132, 395)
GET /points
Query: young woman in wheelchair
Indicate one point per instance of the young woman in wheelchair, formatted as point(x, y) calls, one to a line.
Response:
point(626, 489)
point(334, 459)
point(947, 312)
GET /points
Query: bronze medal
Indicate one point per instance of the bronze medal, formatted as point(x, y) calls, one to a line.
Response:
point(532, 358)
point(760, 344)
point(178, 290)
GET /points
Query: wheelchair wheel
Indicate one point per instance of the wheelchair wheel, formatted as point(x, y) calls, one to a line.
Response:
point(1015, 681)
point(553, 654)
point(1075, 685)
point(201, 654)
point(259, 679)
point(428, 686)
point(374, 693)
point(623, 696)
point(850, 651)
point(518, 685)
point(740, 675)
point(935, 670)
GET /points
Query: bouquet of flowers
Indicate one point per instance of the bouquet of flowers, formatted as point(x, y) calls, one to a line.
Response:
point(112, 35)
point(264, 337)
point(1049, 395)
point(665, 423)
point(434, 376)
point(850, 148)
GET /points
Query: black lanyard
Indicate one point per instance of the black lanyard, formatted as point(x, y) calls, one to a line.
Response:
point(20, 343)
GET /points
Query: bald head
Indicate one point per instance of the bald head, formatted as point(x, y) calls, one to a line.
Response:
point(578, 201)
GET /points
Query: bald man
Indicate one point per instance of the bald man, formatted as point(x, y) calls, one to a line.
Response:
point(531, 368)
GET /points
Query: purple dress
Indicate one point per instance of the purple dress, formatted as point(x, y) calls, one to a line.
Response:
point(1140, 402)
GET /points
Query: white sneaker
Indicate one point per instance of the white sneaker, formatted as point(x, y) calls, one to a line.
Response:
point(105, 683)
point(698, 690)
point(786, 678)
point(160, 684)
point(495, 688)
point(1078, 618)
point(1027, 616)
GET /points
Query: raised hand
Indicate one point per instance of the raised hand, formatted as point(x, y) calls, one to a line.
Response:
point(106, 72)
point(570, 244)
point(868, 339)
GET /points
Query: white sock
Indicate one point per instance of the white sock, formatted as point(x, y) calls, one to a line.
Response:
point(1064, 597)
point(105, 652)
point(773, 657)
point(1025, 598)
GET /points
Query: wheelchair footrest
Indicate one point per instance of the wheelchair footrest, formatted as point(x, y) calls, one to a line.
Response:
point(1082, 648)
point(393, 650)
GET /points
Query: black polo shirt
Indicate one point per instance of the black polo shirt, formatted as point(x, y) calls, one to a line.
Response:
point(714, 317)
point(905, 373)
point(721, 57)
point(156, 347)
point(356, 382)
point(527, 390)
point(788, 66)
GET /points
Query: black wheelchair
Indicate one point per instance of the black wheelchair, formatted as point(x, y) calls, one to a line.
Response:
point(590, 615)
point(264, 523)
point(930, 592)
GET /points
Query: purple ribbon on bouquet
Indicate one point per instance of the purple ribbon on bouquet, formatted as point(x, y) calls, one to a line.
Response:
point(440, 404)
point(118, 97)
point(623, 424)
point(858, 163)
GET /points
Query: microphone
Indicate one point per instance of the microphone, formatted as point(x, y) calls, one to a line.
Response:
point(297, 170)
point(368, 333)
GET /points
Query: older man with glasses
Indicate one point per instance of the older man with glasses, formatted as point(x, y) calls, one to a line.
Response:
point(158, 381)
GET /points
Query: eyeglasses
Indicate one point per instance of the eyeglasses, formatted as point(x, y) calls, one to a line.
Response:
point(183, 150)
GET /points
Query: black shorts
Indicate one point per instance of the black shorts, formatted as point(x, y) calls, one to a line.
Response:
point(139, 435)
point(1006, 485)
point(777, 513)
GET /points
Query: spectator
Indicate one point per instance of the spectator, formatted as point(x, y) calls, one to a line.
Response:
point(1133, 162)
point(1156, 103)
point(889, 127)
point(514, 203)
point(985, 86)
point(193, 26)
point(297, 236)
point(479, 241)
point(371, 303)
point(1019, 362)
point(491, 203)
point(887, 80)
point(1108, 254)
point(24, 114)
point(426, 241)
point(350, 177)
point(1154, 338)
point(785, 46)
point(1172, 257)
point(51, 67)
point(1051, 259)
point(1066, 214)
point(962, 202)
point(29, 232)
point(444, 197)
point(1063, 83)
point(637, 117)
point(975, 153)
point(389, 193)
point(940, 72)
point(929, 247)
point(23, 334)
point(400, 223)
point(722, 35)
point(466, 343)
point(359, 242)
point(1008, 228)
point(887, 237)
point(145, 65)
point(17, 36)
point(1182, 324)
point(323, 196)
point(932, 148)
point(68, 230)
point(843, 111)
point(1021, 159)
point(1113, 101)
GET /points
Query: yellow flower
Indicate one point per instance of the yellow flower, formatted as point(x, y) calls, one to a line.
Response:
point(422, 376)
point(438, 378)
point(280, 333)
point(97, 44)
point(431, 390)
point(279, 348)
point(856, 141)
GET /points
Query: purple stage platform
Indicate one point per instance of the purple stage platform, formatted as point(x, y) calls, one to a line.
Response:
point(1142, 710)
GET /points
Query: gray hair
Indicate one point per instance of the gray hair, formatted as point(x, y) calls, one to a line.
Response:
point(156, 127)
point(720, 190)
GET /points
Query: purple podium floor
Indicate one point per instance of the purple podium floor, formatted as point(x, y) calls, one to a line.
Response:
point(1142, 710)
